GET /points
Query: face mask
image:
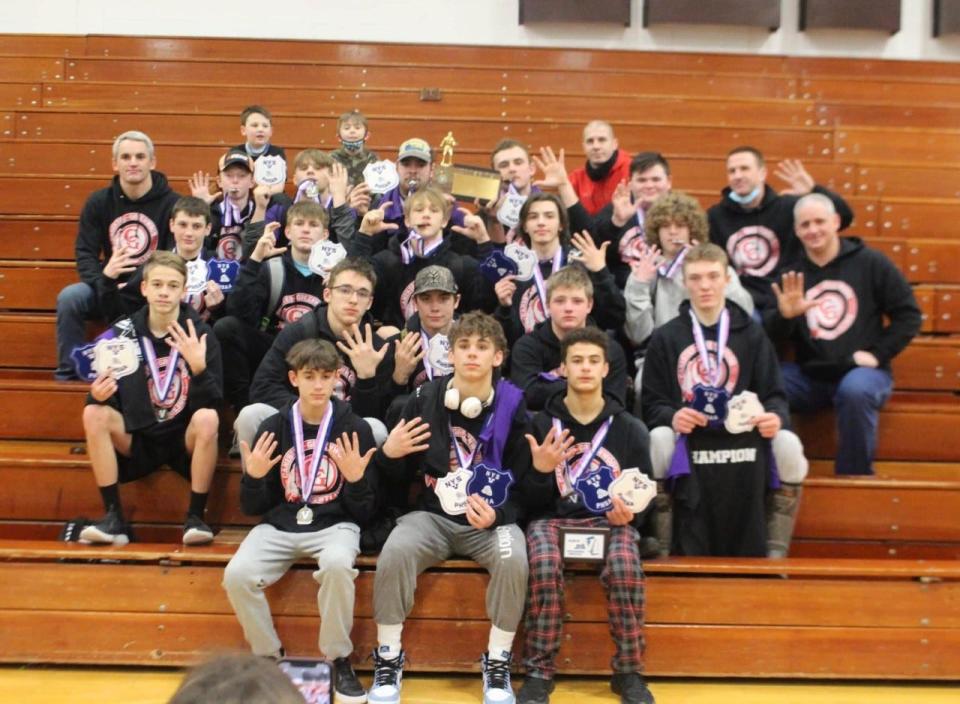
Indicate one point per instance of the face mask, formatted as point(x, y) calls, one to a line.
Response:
point(352, 146)
point(743, 200)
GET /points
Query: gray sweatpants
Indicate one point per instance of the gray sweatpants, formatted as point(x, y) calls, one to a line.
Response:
point(422, 539)
point(264, 557)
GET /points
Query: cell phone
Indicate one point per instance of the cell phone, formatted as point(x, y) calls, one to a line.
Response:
point(313, 678)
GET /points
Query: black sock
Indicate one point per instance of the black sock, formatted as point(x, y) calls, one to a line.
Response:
point(198, 504)
point(111, 499)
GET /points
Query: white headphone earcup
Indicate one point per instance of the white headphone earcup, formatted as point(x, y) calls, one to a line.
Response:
point(451, 399)
point(471, 407)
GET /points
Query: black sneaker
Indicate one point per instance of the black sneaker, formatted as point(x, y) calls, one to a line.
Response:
point(387, 679)
point(196, 532)
point(346, 685)
point(535, 690)
point(631, 688)
point(110, 530)
point(496, 680)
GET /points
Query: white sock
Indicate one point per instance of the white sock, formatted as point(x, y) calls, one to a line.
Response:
point(500, 643)
point(388, 637)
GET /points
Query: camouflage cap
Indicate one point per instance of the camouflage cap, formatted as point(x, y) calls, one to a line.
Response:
point(434, 278)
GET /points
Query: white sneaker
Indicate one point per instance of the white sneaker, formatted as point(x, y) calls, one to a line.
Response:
point(496, 680)
point(387, 679)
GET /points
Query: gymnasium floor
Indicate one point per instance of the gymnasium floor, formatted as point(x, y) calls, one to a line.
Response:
point(35, 685)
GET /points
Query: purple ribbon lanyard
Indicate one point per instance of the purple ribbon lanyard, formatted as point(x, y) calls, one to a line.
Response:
point(538, 276)
point(308, 475)
point(714, 367)
point(668, 270)
point(464, 460)
point(408, 250)
point(587, 457)
point(160, 381)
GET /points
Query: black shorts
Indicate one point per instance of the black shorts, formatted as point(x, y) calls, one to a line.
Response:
point(150, 451)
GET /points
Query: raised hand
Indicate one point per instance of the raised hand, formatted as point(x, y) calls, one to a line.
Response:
point(359, 198)
point(591, 256)
point(623, 206)
point(554, 449)
point(480, 514)
point(120, 263)
point(473, 227)
point(799, 181)
point(553, 167)
point(261, 197)
point(373, 222)
point(790, 298)
point(213, 295)
point(645, 268)
point(267, 244)
point(407, 438)
point(103, 387)
point(346, 453)
point(409, 352)
point(191, 348)
point(260, 460)
point(339, 180)
point(199, 185)
point(359, 348)
point(505, 289)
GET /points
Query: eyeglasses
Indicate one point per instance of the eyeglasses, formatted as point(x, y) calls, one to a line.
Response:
point(346, 291)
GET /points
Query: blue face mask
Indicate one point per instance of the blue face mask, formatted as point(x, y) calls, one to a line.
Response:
point(352, 146)
point(743, 200)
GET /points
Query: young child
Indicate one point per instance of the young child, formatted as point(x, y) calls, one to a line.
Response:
point(353, 133)
point(275, 288)
point(190, 225)
point(581, 432)
point(426, 213)
point(536, 356)
point(308, 475)
point(164, 411)
point(256, 128)
point(464, 434)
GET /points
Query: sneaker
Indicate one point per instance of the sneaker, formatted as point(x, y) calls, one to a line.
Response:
point(346, 685)
point(196, 532)
point(535, 690)
point(387, 679)
point(110, 530)
point(234, 451)
point(631, 688)
point(496, 680)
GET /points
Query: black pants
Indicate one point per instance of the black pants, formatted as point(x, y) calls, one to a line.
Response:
point(242, 347)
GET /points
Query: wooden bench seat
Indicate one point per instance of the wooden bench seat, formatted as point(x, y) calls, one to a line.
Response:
point(18, 69)
point(904, 145)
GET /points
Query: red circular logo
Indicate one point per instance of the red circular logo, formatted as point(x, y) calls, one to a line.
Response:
point(137, 233)
point(835, 311)
point(754, 250)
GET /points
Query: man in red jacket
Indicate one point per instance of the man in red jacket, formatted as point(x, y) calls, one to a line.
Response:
point(606, 167)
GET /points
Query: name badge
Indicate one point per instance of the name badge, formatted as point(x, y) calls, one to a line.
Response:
point(711, 402)
point(524, 258)
point(496, 266)
point(584, 544)
point(82, 358)
point(490, 484)
point(324, 255)
point(270, 170)
point(740, 409)
point(196, 276)
point(452, 492)
point(224, 272)
point(509, 211)
point(381, 176)
point(594, 489)
point(118, 357)
point(438, 354)
point(634, 489)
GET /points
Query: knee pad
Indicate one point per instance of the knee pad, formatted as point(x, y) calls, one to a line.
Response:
point(792, 465)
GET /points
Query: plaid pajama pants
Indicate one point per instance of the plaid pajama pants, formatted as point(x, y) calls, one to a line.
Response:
point(623, 582)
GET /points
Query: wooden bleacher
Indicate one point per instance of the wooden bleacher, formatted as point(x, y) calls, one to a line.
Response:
point(872, 590)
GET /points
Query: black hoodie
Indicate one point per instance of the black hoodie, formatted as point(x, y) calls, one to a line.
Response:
point(137, 401)
point(535, 367)
point(627, 445)
point(761, 241)
point(109, 218)
point(333, 500)
point(271, 384)
point(857, 289)
point(750, 364)
point(250, 297)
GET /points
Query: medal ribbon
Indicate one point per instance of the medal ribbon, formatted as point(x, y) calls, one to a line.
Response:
point(427, 367)
point(539, 281)
point(463, 460)
point(160, 382)
point(308, 475)
point(412, 247)
point(587, 457)
point(668, 270)
point(714, 367)
point(302, 190)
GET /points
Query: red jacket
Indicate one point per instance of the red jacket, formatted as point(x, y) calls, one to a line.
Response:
point(596, 194)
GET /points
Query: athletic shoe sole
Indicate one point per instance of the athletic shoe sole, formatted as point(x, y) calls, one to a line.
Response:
point(93, 535)
point(195, 536)
point(350, 698)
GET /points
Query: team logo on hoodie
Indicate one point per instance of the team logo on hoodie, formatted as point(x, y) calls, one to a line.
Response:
point(327, 485)
point(692, 371)
point(293, 307)
point(346, 379)
point(135, 231)
point(835, 311)
point(407, 305)
point(754, 250)
point(531, 309)
point(633, 245)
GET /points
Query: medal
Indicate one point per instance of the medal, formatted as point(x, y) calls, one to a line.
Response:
point(451, 489)
point(524, 258)
point(573, 474)
point(270, 170)
point(197, 272)
point(497, 266)
point(224, 272)
point(307, 475)
point(541, 284)
point(635, 489)
point(436, 361)
point(116, 356)
point(490, 484)
point(307, 189)
point(161, 382)
point(710, 398)
point(509, 211)
point(594, 489)
point(381, 176)
point(324, 255)
point(740, 409)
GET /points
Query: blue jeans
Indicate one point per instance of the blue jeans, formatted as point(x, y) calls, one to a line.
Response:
point(858, 398)
point(76, 304)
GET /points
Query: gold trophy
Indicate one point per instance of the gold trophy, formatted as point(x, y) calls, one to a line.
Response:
point(467, 183)
point(443, 172)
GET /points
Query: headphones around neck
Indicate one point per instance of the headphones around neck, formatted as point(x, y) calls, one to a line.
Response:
point(470, 407)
